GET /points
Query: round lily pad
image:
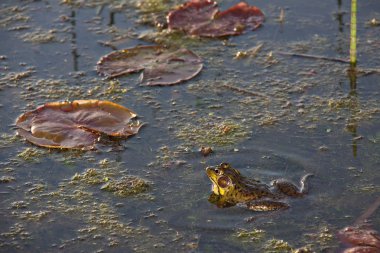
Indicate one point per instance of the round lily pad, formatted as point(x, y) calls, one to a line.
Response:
point(159, 65)
point(202, 18)
point(76, 124)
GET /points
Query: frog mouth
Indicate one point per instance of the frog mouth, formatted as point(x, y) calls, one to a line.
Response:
point(212, 176)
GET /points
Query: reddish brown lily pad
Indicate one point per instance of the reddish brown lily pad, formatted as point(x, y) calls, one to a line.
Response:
point(76, 124)
point(159, 66)
point(202, 18)
point(362, 236)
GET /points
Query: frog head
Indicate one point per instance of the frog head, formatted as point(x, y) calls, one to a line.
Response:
point(223, 178)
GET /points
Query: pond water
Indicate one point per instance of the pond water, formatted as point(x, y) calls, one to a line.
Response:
point(287, 116)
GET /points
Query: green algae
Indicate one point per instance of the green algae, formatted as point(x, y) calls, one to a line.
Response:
point(7, 179)
point(126, 186)
point(212, 131)
point(275, 245)
point(322, 238)
point(305, 249)
point(123, 187)
point(114, 88)
point(251, 235)
point(16, 233)
point(13, 15)
point(325, 235)
point(33, 216)
point(71, 157)
point(258, 237)
point(100, 220)
point(42, 90)
point(365, 188)
point(6, 140)
point(318, 238)
point(151, 6)
point(19, 204)
point(170, 38)
point(168, 158)
point(291, 102)
point(50, 89)
point(90, 176)
point(73, 198)
point(36, 188)
point(15, 77)
point(343, 103)
point(31, 154)
point(116, 4)
point(40, 36)
point(111, 89)
point(98, 215)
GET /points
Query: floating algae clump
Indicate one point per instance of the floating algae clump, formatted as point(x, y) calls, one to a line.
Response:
point(7, 179)
point(209, 132)
point(40, 36)
point(253, 235)
point(126, 186)
point(275, 245)
point(31, 154)
point(152, 5)
point(90, 176)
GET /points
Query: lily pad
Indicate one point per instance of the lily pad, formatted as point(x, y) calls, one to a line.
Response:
point(77, 124)
point(159, 66)
point(202, 18)
point(363, 236)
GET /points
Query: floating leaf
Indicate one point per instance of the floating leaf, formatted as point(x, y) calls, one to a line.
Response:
point(160, 66)
point(202, 18)
point(357, 235)
point(76, 124)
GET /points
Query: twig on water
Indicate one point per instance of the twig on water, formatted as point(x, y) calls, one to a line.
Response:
point(314, 57)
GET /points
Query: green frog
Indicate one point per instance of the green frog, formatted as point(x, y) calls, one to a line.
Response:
point(230, 188)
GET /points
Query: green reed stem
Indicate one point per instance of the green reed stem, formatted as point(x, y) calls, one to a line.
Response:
point(353, 34)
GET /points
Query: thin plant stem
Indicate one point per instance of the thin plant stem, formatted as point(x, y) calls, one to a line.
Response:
point(353, 34)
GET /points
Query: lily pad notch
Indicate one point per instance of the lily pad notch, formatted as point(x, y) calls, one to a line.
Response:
point(159, 65)
point(76, 125)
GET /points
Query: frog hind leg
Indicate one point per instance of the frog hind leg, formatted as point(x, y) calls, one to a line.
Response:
point(288, 188)
point(266, 205)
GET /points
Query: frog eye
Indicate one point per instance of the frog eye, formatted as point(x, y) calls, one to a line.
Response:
point(224, 181)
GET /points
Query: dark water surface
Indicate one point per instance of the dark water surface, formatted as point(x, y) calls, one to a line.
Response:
point(308, 119)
